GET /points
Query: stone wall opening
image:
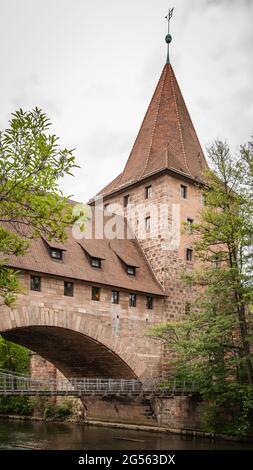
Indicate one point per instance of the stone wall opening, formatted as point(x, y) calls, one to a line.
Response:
point(73, 353)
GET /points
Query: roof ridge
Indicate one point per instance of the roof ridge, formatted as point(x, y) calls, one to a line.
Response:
point(166, 138)
point(155, 122)
point(143, 120)
point(178, 120)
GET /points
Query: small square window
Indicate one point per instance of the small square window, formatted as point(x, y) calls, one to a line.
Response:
point(187, 308)
point(149, 302)
point(126, 200)
point(183, 191)
point(95, 294)
point(56, 253)
point(68, 288)
point(96, 262)
point(147, 223)
point(132, 300)
point(148, 192)
point(130, 270)
point(216, 261)
point(36, 283)
point(189, 224)
point(115, 297)
point(189, 254)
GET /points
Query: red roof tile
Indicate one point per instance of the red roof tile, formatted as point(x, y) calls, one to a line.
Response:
point(75, 264)
point(166, 139)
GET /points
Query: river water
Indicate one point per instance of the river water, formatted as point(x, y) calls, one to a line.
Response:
point(59, 436)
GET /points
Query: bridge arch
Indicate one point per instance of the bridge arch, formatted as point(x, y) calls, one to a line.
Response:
point(77, 346)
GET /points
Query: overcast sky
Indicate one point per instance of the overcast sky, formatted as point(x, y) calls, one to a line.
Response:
point(92, 66)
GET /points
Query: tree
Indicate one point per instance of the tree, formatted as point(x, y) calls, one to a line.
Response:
point(31, 203)
point(213, 343)
point(14, 357)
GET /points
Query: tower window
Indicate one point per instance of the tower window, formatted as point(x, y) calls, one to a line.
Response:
point(115, 297)
point(187, 308)
point(132, 300)
point(35, 283)
point(95, 262)
point(95, 293)
point(56, 253)
point(216, 261)
point(149, 302)
point(148, 192)
point(68, 288)
point(126, 200)
point(183, 191)
point(130, 270)
point(189, 254)
point(147, 224)
point(189, 224)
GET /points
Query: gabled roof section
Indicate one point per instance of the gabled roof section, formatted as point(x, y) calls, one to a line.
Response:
point(75, 265)
point(166, 139)
point(128, 257)
point(54, 244)
point(94, 250)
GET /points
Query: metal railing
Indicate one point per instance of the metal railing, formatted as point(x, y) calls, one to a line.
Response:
point(14, 384)
point(17, 384)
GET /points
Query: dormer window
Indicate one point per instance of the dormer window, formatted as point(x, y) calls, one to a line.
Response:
point(131, 270)
point(95, 262)
point(56, 253)
point(55, 249)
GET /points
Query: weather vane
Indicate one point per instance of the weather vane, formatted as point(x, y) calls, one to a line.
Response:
point(168, 38)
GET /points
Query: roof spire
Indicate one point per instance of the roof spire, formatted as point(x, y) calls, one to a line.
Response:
point(168, 38)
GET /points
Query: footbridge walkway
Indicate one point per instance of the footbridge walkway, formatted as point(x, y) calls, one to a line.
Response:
point(13, 384)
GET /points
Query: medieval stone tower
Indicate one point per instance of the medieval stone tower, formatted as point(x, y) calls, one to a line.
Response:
point(159, 189)
point(87, 304)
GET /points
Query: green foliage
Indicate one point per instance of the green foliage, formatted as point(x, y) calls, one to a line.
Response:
point(49, 410)
point(64, 409)
point(16, 405)
point(31, 203)
point(14, 358)
point(54, 411)
point(212, 345)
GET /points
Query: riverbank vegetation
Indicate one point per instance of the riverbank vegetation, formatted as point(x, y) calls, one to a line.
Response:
point(212, 343)
point(32, 162)
point(15, 358)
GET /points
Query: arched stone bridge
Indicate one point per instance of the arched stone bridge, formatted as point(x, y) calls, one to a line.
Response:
point(82, 344)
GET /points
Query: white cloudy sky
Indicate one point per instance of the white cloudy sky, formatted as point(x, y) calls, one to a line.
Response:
point(92, 66)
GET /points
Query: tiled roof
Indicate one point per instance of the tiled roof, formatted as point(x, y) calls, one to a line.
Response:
point(166, 139)
point(75, 264)
point(55, 244)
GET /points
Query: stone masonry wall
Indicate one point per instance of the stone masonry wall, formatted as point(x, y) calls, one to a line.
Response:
point(119, 326)
point(179, 412)
point(166, 261)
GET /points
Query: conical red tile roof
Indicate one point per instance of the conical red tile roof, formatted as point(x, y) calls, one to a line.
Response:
point(166, 140)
